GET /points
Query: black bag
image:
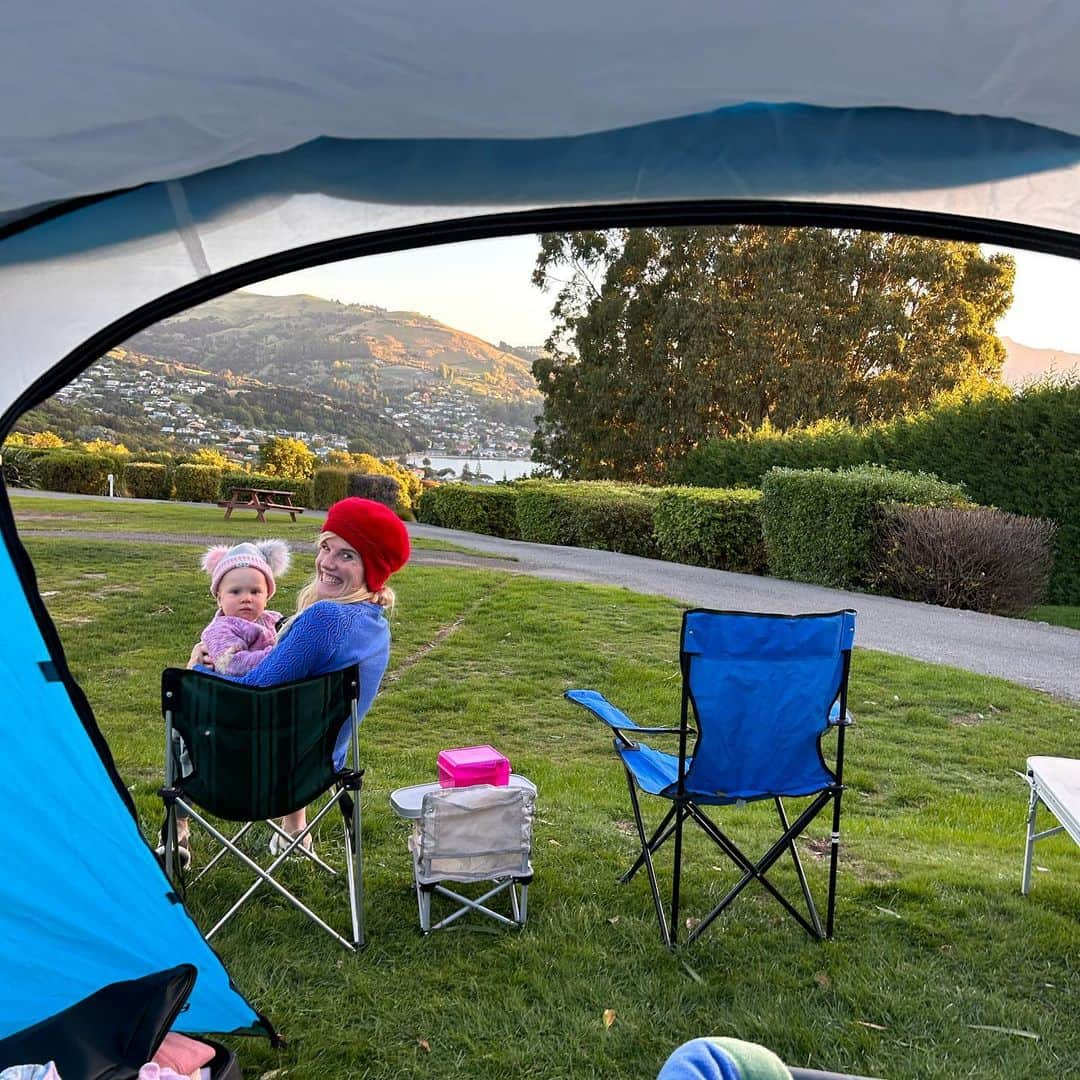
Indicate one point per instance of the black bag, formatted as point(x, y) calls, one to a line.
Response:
point(112, 1033)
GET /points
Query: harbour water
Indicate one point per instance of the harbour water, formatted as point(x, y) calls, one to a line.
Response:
point(496, 468)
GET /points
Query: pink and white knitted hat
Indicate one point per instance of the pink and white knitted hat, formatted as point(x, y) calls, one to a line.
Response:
point(268, 556)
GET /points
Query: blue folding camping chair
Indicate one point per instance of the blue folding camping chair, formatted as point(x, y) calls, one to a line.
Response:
point(763, 689)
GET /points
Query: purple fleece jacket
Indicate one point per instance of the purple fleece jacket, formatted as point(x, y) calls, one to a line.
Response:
point(236, 645)
point(325, 637)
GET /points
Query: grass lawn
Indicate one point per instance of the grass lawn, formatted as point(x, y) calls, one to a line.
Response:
point(41, 514)
point(938, 969)
point(1058, 614)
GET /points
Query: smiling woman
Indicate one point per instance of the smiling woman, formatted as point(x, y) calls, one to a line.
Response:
point(340, 616)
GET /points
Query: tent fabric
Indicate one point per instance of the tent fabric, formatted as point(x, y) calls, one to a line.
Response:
point(83, 902)
point(123, 92)
point(251, 128)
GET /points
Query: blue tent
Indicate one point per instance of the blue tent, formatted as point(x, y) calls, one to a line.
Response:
point(155, 155)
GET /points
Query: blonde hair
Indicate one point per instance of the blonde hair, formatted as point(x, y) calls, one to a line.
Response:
point(307, 596)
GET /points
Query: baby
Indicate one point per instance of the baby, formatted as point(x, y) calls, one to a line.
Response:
point(242, 581)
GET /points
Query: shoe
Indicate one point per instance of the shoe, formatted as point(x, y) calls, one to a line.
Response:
point(278, 844)
point(182, 853)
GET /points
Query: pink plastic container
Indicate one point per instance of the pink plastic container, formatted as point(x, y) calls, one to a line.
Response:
point(473, 765)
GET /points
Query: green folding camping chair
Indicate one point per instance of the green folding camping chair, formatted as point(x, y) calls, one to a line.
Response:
point(249, 754)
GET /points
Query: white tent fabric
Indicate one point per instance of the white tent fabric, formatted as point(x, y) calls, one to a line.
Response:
point(251, 128)
point(107, 95)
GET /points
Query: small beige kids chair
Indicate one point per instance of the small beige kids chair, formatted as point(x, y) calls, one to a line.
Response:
point(472, 834)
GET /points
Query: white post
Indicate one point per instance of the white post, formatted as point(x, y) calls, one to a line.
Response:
point(112, 482)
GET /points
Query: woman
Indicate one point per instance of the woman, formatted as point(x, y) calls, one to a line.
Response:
point(340, 620)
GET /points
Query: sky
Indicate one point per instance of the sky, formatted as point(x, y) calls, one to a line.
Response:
point(484, 288)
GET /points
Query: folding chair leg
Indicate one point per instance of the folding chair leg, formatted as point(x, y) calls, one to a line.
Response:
point(834, 858)
point(676, 876)
point(799, 872)
point(1032, 836)
point(354, 870)
point(266, 876)
point(220, 854)
point(646, 854)
point(757, 871)
point(1029, 847)
point(659, 837)
point(423, 901)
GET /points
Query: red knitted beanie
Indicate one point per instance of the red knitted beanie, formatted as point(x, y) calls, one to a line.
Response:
point(375, 532)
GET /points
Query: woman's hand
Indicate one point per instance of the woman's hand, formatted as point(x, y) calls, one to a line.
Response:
point(199, 655)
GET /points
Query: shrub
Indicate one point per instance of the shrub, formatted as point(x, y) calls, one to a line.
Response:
point(981, 559)
point(472, 508)
point(197, 483)
point(147, 480)
point(717, 527)
point(591, 514)
point(1019, 452)
point(20, 467)
point(328, 487)
point(823, 527)
point(82, 474)
point(377, 486)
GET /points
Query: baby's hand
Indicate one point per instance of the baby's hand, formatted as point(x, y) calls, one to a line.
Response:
point(200, 656)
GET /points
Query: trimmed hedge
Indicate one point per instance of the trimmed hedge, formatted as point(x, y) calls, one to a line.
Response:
point(472, 508)
point(1019, 452)
point(715, 527)
point(328, 487)
point(197, 483)
point(75, 472)
point(147, 480)
point(824, 527)
point(588, 514)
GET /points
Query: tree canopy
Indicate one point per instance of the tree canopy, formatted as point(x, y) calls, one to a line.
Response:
point(665, 337)
point(286, 456)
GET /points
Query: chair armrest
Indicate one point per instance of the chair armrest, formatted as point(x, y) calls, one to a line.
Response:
point(615, 718)
point(834, 716)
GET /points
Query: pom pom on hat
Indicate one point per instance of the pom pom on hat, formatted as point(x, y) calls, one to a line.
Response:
point(375, 533)
point(270, 557)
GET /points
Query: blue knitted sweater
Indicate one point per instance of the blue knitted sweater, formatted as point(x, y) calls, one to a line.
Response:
point(325, 637)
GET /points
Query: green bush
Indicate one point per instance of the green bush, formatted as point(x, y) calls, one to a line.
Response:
point(328, 487)
point(197, 483)
point(81, 474)
point(541, 513)
point(20, 467)
point(976, 558)
point(147, 480)
point(824, 527)
point(378, 486)
point(716, 527)
point(472, 508)
point(590, 514)
point(301, 490)
point(1019, 452)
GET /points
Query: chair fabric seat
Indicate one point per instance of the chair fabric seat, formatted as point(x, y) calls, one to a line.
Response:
point(657, 773)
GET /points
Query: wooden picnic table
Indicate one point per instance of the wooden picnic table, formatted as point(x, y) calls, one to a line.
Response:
point(260, 500)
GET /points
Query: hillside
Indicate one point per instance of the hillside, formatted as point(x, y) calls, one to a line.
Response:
point(1023, 363)
point(232, 372)
point(309, 342)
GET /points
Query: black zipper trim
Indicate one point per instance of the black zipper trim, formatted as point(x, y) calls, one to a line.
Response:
point(555, 219)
